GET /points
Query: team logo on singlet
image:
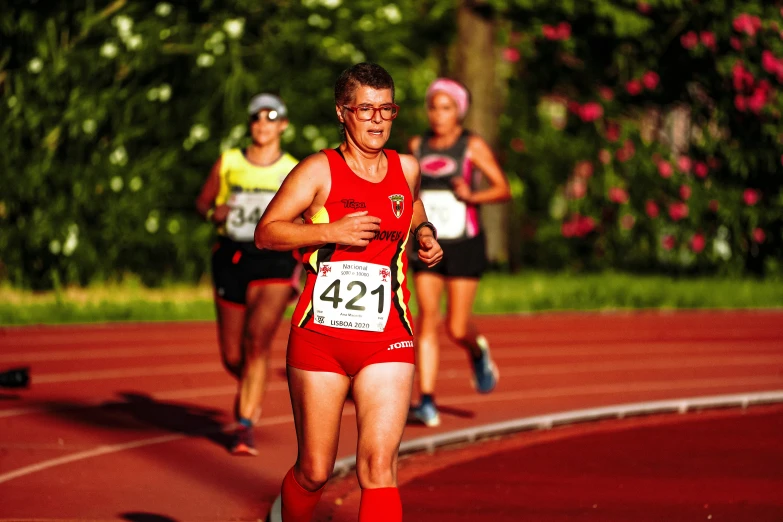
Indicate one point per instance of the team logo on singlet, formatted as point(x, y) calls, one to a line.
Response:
point(437, 165)
point(397, 203)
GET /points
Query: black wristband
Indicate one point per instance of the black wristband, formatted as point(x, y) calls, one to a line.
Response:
point(422, 225)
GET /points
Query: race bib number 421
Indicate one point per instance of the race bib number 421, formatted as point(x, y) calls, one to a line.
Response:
point(353, 295)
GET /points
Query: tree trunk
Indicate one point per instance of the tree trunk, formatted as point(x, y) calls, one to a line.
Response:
point(475, 67)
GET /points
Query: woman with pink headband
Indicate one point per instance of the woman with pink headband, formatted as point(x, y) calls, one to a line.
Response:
point(453, 161)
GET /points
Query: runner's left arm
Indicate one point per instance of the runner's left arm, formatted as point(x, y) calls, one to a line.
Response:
point(482, 157)
point(429, 250)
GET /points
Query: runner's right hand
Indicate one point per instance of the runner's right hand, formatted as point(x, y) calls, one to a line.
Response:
point(355, 229)
point(221, 214)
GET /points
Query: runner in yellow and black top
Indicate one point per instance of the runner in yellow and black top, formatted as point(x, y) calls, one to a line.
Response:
point(252, 286)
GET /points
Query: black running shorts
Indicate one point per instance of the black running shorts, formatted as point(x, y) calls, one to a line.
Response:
point(236, 266)
point(462, 258)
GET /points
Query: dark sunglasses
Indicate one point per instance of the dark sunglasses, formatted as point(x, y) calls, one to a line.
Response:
point(270, 116)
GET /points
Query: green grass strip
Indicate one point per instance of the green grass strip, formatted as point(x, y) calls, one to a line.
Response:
point(498, 294)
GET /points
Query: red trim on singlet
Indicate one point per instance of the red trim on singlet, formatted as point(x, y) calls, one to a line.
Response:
point(278, 281)
point(349, 193)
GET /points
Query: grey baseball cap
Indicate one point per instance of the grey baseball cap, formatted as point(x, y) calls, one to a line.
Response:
point(267, 101)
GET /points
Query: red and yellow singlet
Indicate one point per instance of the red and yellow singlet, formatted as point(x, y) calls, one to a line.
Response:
point(360, 293)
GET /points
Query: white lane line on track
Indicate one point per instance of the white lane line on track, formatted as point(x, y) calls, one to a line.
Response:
point(214, 367)
point(110, 352)
point(506, 371)
point(349, 411)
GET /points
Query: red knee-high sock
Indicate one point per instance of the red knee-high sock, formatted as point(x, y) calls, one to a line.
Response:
point(298, 503)
point(380, 505)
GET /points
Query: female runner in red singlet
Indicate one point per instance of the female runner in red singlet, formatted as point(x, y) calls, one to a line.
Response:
point(352, 329)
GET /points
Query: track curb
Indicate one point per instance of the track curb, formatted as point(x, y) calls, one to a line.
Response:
point(548, 421)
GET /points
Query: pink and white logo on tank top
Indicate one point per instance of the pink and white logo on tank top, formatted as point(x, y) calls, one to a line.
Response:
point(438, 165)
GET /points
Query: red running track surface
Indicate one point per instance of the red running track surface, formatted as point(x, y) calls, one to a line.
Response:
point(122, 422)
point(714, 465)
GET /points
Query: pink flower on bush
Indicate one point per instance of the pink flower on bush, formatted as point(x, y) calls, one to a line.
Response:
point(708, 40)
point(626, 152)
point(751, 197)
point(590, 111)
point(644, 8)
point(770, 63)
point(678, 211)
point(627, 221)
point(735, 43)
point(668, 242)
point(633, 87)
point(618, 195)
point(740, 103)
point(759, 235)
point(741, 77)
point(576, 189)
point(685, 192)
point(583, 169)
point(701, 169)
point(758, 99)
point(606, 93)
point(612, 131)
point(665, 169)
point(605, 156)
point(650, 80)
point(684, 163)
point(651, 209)
point(578, 226)
point(689, 40)
point(698, 242)
point(748, 24)
point(561, 32)
point(511, 54)
point(714, 205)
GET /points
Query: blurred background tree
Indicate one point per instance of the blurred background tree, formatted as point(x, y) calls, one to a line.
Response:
point(647, 134)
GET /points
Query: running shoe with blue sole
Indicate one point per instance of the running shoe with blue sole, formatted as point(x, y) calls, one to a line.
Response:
point(426, 413)
point(485, 373)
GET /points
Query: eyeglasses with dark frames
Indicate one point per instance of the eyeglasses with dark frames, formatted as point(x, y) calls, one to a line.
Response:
point(367, 112)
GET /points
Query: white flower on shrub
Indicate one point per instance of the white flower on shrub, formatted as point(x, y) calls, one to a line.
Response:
point(234, 27)
point(163, 9)
point(119, 156)
point(35, 65)
point(173, 226)
point(135, 184)
point(164, 92)
point(199, 132)
point(153, 223)
point(134, 42)
point(392, 13)
point(331, 4)
point(89, 126)
point(124, 24)
point(722, 248)
point(54, 246)
point(109, 50)
point(205, 60)
point(116, 183)
point(310, 3)
point(72, 240)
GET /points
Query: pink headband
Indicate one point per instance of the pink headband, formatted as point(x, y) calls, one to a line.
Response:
point(457, 92)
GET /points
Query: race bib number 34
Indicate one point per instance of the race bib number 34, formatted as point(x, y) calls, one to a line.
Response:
point(353, 295)
point(246, 211)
